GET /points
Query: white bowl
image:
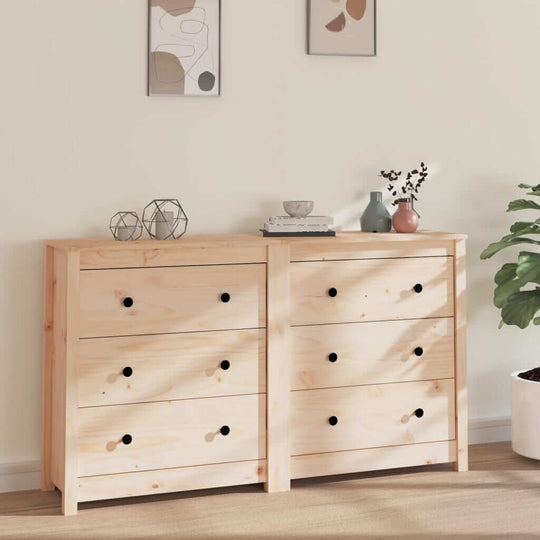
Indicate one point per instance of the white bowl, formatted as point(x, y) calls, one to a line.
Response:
point(298, 208)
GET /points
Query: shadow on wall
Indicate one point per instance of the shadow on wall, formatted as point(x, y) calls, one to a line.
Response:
point(486, 227)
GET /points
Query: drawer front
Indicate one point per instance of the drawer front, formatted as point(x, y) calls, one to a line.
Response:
point(371, 416)
point(177, 366)
point(167, 300)
point(370, 353)
point(368, 290)
point(170, 434)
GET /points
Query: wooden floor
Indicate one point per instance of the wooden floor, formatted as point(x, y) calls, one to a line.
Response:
point(498, 498)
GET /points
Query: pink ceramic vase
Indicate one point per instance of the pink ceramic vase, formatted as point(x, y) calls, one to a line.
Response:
point(405, 219)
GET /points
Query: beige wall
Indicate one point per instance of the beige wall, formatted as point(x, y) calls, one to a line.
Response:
point(455, 83)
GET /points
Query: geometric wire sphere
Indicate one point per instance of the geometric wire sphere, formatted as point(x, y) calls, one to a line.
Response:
point(165, 219)
point(126, 226)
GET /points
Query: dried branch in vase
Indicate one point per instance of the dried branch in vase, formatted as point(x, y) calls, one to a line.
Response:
point(408, 186)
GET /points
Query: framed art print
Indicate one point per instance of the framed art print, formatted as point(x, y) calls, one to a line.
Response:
point(342, 27)
point(184, 47)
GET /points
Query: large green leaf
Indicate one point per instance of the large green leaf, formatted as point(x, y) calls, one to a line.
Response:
point(528, 268)
point(497, 246)
point(530, 229)
point(521, 308)
point(535, 189)
point(506, 273)
point(519, 226)
point(523, 204)
point(503, 292)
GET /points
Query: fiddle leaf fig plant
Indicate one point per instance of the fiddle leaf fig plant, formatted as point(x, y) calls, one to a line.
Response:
point(517, 291)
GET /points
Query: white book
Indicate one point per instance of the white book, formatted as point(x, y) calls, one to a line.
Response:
point(308, 220)
point(270, 227)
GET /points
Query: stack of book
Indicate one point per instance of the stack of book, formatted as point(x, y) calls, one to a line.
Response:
point(298, 226)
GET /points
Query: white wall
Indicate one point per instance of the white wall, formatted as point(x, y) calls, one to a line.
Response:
point(455, 83)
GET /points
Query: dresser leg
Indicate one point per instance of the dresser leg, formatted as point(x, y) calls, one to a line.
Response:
point(47, 370)
point(278, 374)
point(460, 347)
point(462, 457)
point(69, 504)
point(277, 485)
point(47, 484)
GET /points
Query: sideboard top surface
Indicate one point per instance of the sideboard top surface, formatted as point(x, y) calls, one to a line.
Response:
point(251, 240)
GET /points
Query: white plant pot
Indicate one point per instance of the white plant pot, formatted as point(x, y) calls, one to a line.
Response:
point(525, 410)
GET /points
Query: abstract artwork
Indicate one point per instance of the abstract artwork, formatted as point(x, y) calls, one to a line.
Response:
point(342, 27)
point(184, 47)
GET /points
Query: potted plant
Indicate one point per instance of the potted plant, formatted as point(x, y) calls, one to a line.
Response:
point(517, 295)
point(405, 219)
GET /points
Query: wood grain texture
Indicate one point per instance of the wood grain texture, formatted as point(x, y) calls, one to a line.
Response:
point(372, 459)
point(233, 241)
point(369, 290)
point(460, 319)
point(371, 416)
point(64, 378)
point(278, 370)
point(58, 382)
point(166, 300)
point(157, 256)
point(168, 367)
point(113, 486)
point(325, 251)
point(71, 337)
point(178, 331)
point(49, 282)
point(371, 353)
point(171, 434)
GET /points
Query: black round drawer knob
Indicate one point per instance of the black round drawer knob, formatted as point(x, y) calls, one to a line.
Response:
point(225, 430)
point(127, 371)
point(419, 351)
point(418, 288)
point(333, 357)
point(225, 365)
point(127, 439)
point(225, 297)
point(333, 420)
point(332, 292)
point(127, 301)
point(419, 413)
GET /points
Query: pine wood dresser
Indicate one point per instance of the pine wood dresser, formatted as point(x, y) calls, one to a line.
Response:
point(225, 360)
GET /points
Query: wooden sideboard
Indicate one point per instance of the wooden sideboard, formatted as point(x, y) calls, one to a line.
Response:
point(225, 360)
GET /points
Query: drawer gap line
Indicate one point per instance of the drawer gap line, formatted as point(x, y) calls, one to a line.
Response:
point(369, 322)
point(372, 384)
point(169, 400)
point(375, 448)
point(170, 266)
point(174, 333)
point(255, 460)
point(299, 261)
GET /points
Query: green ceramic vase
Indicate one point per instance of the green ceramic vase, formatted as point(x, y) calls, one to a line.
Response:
point(376, 217)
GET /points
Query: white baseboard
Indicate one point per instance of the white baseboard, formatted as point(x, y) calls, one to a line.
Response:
point(26, 475)
point(488, 430)
point(19, 476)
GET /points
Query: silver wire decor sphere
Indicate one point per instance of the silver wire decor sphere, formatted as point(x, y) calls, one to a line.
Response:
point(126, 226)
point(165, 219)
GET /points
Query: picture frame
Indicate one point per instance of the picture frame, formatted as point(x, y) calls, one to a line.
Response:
point(342, 27)
point(184, 48)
